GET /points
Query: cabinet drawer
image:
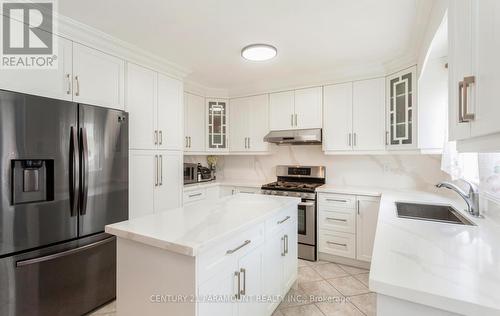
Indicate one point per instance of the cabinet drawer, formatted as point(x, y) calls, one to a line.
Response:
point(337, 200)
point(218, 257)
point(194, 195)
point(337, 243)
point(341, 220)
point(280, 220)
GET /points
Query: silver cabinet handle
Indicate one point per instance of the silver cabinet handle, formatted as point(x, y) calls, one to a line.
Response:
point(68, 78)
point(336, 200)
point(155, 137)
point(248, 142)
point(156, 170)
point(186, 141)
point(189, 141)
point(286, 244)
point(349, 139)
point(295, 119)
point(291, 120)
point(231, 251)
point(387, 138)
point(283, 220)
point(357, 206)
point(161, 169)
point(244, 272)
point(194, 195)
point(336, 219)
point(465, 115)
point(283, 246)
point(161, 137)
point(237, 275)
point(355, 140)
point(336, 243)
point(77, 81)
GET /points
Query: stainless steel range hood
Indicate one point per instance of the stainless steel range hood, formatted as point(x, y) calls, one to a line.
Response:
point(295, 137)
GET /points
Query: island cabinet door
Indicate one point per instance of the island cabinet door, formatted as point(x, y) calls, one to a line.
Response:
point(290, 257)
point(273, 272)
point(218, 295)
point(251, 283)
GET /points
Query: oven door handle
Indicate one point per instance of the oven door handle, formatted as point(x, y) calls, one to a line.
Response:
point(306, 204)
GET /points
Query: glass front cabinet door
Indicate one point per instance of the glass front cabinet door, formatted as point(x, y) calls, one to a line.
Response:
point(217, 124)
point(401, 110)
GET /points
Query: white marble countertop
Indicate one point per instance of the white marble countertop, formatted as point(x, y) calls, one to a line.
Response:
point(188, 229)
point(354, 190)
point(447, 266)
point(235, 183)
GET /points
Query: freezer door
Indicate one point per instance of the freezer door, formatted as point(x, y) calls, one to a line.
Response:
point(35, 199)
point(69, 279)
point(103, 136)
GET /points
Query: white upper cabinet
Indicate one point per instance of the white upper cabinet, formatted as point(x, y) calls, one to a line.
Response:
point(250, 116)
point(281, 110)
point(194, 123)
point(170, 113)
point(368, 120)
point(155, 104)
point(459, 65)
point(474, 75)
point(259, 123)
point(308, 108)
point(402, 110)
point(142, 107)
point(51, 83)
point(337, 121)
point(239, 132)
point(298, 109)
point(354, 116)
point(217, 119)
point(98, 78)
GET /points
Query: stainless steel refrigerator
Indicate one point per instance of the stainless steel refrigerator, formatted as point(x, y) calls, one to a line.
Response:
point(63, 177)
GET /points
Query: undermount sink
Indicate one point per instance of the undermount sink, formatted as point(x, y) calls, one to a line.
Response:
point(431, 212)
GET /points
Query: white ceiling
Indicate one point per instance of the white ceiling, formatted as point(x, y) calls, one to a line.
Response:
point(313, 37)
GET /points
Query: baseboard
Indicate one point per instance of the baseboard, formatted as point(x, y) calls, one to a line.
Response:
point(343, 260)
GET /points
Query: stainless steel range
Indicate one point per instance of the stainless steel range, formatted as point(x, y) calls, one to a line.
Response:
point(300, 181)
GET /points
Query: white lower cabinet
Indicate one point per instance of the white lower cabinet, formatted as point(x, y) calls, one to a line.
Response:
point(250, 267)
point(155, 181)
point(347, 225)
point(366, 226)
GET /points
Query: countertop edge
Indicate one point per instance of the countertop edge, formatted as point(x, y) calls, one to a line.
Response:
point(194, 249)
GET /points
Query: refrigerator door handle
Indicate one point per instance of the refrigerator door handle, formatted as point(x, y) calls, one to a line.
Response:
point(84, 165)
point(74, 169)
point(53, 256)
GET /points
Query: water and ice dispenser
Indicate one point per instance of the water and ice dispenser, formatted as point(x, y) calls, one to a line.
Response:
point(32, 180)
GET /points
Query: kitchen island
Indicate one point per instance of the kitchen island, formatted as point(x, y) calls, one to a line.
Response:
point(233, 256)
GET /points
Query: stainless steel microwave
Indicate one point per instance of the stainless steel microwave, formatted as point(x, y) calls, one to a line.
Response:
point(190, 173)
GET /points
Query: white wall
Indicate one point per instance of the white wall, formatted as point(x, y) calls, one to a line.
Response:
point(386, 171)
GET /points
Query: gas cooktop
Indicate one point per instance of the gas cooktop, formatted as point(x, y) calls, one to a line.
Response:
point(291, 186)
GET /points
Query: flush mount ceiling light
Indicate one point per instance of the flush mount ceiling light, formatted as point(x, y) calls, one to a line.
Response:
point(258, 52)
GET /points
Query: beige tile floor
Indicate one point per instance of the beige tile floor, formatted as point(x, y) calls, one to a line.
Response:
point(337, 290)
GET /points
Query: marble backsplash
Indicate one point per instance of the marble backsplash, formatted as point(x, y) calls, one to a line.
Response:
point(420, 172)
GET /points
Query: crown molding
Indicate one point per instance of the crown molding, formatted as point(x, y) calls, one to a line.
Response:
point(204, 91)
point(86, 35)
